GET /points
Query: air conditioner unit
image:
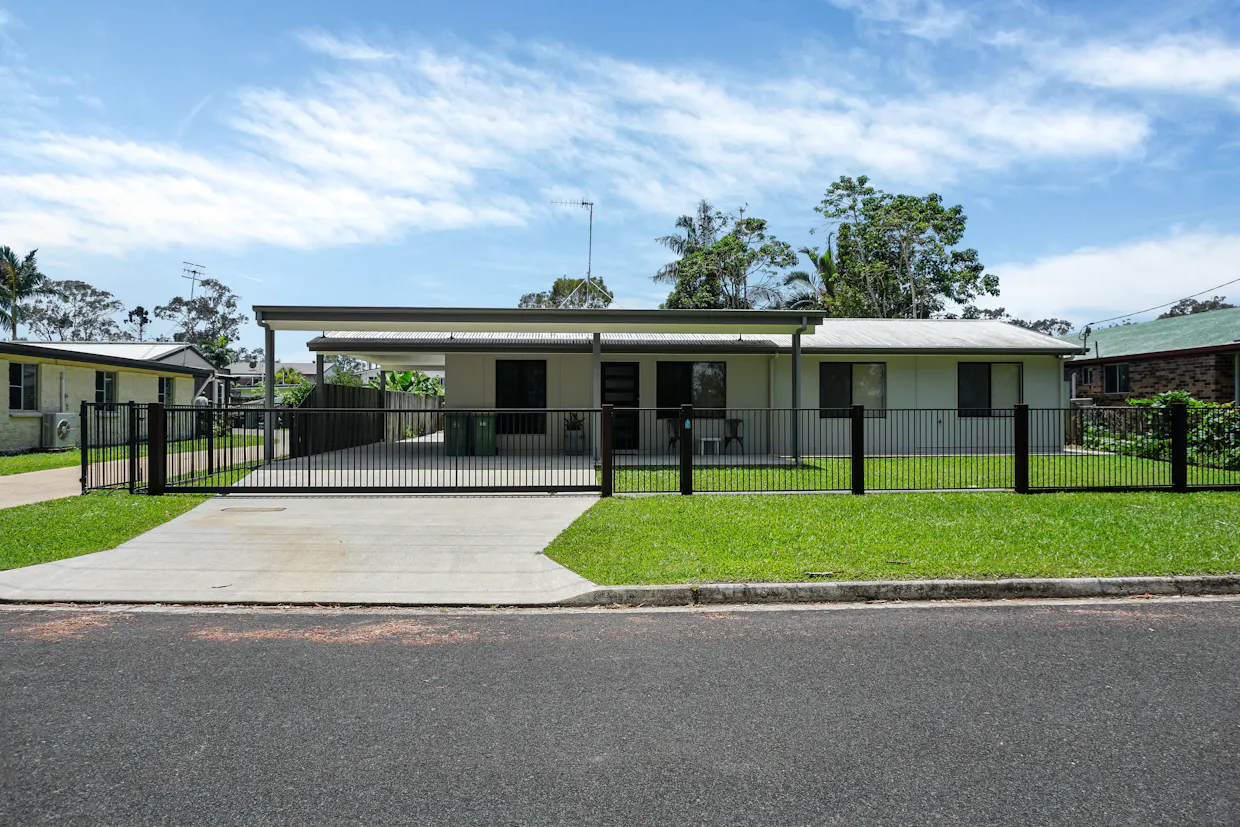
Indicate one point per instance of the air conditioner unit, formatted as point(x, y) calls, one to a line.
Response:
point(60, 430)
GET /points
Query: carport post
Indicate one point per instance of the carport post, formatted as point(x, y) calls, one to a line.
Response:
point(596, 395)
point(318, 380)
point(796, 396)
point(269, 393)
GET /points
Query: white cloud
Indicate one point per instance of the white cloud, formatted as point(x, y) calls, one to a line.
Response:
point(431, 139)
point(353, 49)
point(926, 19)
point(1197, 64)
point(1099, 282)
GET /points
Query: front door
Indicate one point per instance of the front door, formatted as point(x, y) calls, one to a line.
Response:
point(620, 389)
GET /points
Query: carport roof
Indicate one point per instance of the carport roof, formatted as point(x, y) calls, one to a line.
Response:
point(518, 320)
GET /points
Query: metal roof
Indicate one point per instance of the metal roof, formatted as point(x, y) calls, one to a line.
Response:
point(832, 336)
point(517, 320)
point(1214, 329)
point(73, 352)
point(124, 350)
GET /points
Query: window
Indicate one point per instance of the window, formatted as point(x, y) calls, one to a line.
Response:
point(167, 394)
point(983, 387)
point(1115, 379)
point(105, 387)
point(23, 386)
point(843, 384)
point(521, 383)
point(703, 385)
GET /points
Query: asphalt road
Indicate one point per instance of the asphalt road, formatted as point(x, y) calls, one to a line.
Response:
point(1087, 713)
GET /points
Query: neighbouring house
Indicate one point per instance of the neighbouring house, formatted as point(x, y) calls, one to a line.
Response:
point(1199, 354)
point(48, 378)
point(732, 366)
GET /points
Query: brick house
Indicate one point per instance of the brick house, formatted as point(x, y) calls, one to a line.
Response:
point(1199, 354)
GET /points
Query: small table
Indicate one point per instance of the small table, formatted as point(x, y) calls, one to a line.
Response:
point(702, 444)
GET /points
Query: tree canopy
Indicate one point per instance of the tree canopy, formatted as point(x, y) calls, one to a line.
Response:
point(74, 311)
point(728, 262)
point(1189, 307)
point(206, 318)
point(570, 292)
point(898, 256)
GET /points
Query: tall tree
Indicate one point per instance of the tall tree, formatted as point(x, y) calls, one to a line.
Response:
point(1189, 307)
point(20, 281)
point(1051, 327)
point(75, 312)
point(698, 232)
point(742, 269)
point(206, 318)
point(813, 289)
point(139, 318)
point(568, 292)
point(898, 255)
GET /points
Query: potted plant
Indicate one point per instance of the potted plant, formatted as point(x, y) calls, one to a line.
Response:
point(574, 433)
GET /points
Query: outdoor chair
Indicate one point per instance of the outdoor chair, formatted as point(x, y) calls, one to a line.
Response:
point(673, 433)
point(735, 426)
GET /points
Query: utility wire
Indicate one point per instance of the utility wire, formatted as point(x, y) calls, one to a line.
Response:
point(1161, 306)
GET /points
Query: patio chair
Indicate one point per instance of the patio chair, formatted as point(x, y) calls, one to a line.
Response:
point(673, 433)
point(735, 427)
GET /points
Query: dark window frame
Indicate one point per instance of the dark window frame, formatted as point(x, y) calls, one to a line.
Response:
point(989, 410)
point(826, 411)
point(27, 385)
point(108, 391)
point(684, 390)
point(521, 391)
point(1122, 376)
point(167, 387)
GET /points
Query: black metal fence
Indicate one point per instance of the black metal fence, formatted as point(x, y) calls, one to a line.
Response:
point(630, 450)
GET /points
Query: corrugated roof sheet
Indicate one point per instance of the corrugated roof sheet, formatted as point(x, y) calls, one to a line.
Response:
point(120, 350)
point(1217, 328)
point(922, 335)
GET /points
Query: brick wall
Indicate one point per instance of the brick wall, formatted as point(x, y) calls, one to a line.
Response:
point(1209, 377)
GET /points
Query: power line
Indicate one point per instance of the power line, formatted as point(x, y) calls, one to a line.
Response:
point(1161, 306)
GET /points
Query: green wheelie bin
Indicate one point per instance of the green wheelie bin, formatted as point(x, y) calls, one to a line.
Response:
point(456, 433)
point(484, 434)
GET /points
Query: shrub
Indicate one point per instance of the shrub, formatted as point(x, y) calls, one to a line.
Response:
point(1213, 430)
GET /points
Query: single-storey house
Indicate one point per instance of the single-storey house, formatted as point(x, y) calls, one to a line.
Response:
point(959, 377)
point(56, 377)
point(1199, 353)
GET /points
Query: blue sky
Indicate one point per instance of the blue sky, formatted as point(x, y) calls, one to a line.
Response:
point(408, 153)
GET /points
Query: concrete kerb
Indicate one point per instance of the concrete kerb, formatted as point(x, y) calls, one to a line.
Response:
point(862, 591)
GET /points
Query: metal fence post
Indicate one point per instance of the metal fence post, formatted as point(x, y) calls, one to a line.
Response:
point(1179, 447)
point(84, 442)
point(605, 447)
point(858, 449)
point(685, 426)
point(1020, 436)
point(133, 446)
point(156, 448)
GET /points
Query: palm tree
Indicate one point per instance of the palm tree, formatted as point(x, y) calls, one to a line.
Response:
point(815, 290)
point(19, 280)
point(700, 231)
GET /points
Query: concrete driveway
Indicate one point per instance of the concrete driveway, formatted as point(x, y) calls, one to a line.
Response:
point(395, 550)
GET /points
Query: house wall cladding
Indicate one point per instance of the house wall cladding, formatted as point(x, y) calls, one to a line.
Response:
point(22, 431)
point(1207, 376)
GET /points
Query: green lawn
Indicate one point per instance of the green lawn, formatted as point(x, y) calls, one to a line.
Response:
point(632, 540)
point(962, 472)
point(71, 526)
point(44, 460)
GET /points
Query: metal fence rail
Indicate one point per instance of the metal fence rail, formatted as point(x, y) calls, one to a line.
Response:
point(647, 450)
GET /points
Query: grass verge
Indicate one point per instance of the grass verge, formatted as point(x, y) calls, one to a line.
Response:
point(71, 526)
point(46, 460)
point(763, 537)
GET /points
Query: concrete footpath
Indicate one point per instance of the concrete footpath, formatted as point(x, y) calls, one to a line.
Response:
point(37, 486)
point(460, 550)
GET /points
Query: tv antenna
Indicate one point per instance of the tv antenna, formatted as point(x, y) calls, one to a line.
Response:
point(589, 282)
point(193, 272)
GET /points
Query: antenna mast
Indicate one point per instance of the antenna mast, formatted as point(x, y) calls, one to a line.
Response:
point(193, 272)
point(589, 282)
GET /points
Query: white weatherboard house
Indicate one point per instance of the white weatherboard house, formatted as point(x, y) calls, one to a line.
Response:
point(746, 366)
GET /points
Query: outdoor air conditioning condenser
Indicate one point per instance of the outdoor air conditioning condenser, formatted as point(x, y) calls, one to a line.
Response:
point(60, 430)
